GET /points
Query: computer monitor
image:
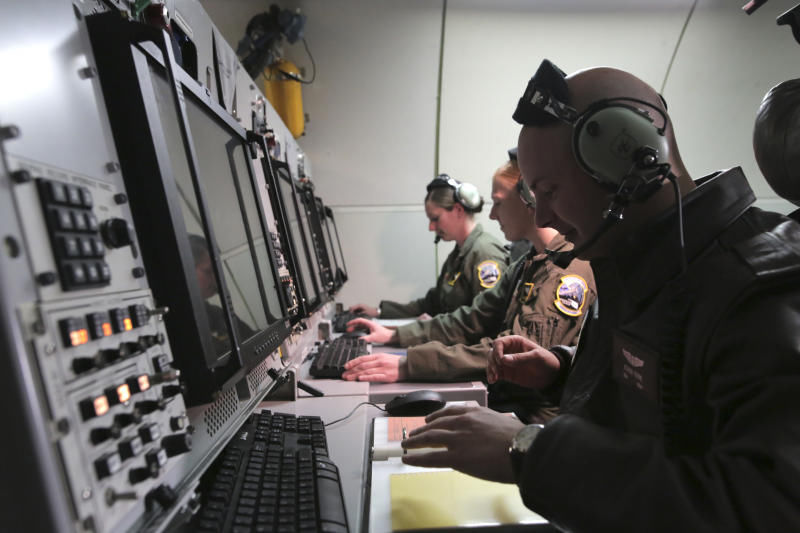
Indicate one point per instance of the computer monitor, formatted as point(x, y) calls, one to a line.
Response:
point(300, 243)
point(193, 198)
point(316, 235)
point(326, 246)
point(333, 244)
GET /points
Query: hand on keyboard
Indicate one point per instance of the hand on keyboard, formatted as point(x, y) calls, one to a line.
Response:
point(379, 367)
point(377, 334)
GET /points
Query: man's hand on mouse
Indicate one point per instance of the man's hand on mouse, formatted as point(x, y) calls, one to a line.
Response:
point(377, 334)
point(380, 367)
point(473, 440)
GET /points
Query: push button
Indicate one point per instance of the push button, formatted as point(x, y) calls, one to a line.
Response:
point(149, 433)
point(85, 244)
point(56, 192)
point(120, 321)
point(73, 331)
point(86, 197)
point(79, 221)
point(74, 195)
point(93, 407)
point(130, 447)
point(76, 274)
point(108, 464)
point(99, 325)
point(69, 247)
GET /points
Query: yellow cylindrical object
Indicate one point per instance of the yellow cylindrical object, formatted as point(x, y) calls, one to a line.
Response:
point(285, 95)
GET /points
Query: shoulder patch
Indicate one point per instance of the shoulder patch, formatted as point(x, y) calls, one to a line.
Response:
point(571, 295)
point(489, 273)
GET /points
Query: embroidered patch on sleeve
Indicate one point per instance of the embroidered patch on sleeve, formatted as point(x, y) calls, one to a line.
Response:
point(571, 295)
point(488, 273)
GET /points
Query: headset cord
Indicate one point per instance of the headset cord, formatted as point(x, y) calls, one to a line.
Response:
point(679, 204)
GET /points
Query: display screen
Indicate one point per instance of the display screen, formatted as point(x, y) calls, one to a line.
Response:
point(304, 254)
point(237, 259)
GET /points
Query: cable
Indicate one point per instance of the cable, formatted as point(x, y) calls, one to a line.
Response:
point(677, 45)
point(353, 411)
point(681, 238)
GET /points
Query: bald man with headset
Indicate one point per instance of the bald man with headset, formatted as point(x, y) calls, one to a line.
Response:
point(679, 405)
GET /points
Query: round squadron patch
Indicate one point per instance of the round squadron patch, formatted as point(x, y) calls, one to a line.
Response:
point(488, 273)
point(571, 295)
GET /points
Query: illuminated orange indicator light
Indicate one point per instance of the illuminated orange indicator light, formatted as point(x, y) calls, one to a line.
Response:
point(128, 324)
point(107, 329)
point(78, 337)
point(144, 382)
point(100, 405)
point(123, 393)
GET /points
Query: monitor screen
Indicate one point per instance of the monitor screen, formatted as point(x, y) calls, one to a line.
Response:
point(303, 253)
point(236, 287)
point(192, 192)
point(330, 257)
point(335, 247)
point(311, 223)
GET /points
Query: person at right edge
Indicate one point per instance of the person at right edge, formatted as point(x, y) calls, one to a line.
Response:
point(679, 409)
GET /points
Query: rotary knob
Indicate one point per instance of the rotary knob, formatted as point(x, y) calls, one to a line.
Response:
point(116, 232)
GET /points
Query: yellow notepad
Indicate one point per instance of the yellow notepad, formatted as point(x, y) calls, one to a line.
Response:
point(441, 499)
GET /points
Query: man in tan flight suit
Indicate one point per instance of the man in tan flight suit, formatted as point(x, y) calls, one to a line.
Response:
point(538, 300)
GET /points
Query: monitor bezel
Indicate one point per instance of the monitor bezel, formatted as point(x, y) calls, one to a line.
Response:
point(129, 50)
point(285, 179)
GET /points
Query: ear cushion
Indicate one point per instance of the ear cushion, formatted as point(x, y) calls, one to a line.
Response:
point(776, 139)
point(607, 143)
point(468, 195)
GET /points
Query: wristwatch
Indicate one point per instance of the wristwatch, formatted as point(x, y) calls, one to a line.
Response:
point(520, 444)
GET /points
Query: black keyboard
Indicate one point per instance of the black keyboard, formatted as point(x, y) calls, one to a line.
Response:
point(341, 319)
point(332, 355)
point(274, 475)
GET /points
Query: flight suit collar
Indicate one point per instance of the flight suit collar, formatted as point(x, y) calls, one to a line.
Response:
point(648, 259)
point(469, 242)
point(556, 244)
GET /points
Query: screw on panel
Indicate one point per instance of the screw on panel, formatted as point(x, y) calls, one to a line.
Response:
point(38, 327)
point(112, 166)
point(49, 348)
point(9, 132)
point(46, 278)
point(63, 426)
point(21, 176)
point(13, 249)
point(120, 198)
point(86, 493)
point(87, 72)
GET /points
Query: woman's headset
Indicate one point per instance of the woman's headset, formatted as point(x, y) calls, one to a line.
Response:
point(615, 140)
point(465, 194)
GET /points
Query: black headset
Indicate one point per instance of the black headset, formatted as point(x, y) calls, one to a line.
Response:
point(615, 140)
point(465, 194)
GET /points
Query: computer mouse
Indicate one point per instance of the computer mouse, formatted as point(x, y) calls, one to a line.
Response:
point(416, 403)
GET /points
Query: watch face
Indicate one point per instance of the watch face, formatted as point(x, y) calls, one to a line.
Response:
point(525, 437)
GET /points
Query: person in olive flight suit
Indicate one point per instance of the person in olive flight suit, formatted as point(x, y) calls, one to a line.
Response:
point(539, 300)
point(679, 406)
point(476, 263)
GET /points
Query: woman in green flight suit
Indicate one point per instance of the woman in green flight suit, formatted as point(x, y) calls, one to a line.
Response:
point(476, 263)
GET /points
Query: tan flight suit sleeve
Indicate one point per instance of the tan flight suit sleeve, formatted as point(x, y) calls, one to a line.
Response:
point(469, 323)
point(434, 361)
point(551, 303)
